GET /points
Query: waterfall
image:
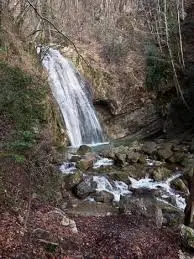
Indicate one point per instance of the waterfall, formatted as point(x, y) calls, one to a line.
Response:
point(73, 98)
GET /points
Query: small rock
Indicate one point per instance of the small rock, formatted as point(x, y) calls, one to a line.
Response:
point(73, 227)
point(104, 196)
point(65, 221)
point(83, 150)
point(187, 235)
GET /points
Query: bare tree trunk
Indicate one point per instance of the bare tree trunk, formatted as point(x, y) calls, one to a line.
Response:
point(180, 33)
point(189, 210)
point(177, 85)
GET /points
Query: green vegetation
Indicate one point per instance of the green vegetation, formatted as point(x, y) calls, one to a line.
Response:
point(22, 103)
point(26, 156)
point(158, 68)
point(21, 98)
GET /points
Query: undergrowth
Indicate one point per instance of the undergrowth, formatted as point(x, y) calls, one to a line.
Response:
point(158, 68)
point(26, 148)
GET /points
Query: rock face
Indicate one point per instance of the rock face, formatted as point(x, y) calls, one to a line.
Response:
point(122, 102)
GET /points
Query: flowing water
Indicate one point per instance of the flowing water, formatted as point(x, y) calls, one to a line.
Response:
point(73, 97)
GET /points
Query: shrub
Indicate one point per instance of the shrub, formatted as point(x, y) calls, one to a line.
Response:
point(158, 68)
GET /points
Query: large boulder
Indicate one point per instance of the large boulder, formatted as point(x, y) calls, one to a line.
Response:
point(145, 205)
point(72, 180)
point(85, 188)
point(187, 236)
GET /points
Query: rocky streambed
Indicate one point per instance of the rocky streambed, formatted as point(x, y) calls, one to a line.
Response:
point(148, 180)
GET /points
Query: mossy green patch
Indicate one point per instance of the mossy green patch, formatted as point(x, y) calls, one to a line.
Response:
point(21, 97)
point(22, 100)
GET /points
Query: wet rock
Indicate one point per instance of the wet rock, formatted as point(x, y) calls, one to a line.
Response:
point(133, 157)
point(112, 151)
point(86, 187)
point(104, 196)
point(84, 164)
point(149, 147)
point(72, 180)
point(136, 171)
point(75, 158)
point(83, 150)
point(179, 185)
point(120, 159)
point(122, 176)
point(161, 174)
point(165, 151)
point(187, 236)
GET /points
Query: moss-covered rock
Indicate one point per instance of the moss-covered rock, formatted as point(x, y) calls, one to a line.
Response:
point(187, 235)
point(83, 150)
point(84, 164)
point(72, 180)
point(161, 174)
point(179, 185)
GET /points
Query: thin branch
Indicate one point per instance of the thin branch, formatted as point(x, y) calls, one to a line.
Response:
point(171, 56)
point(60, 32)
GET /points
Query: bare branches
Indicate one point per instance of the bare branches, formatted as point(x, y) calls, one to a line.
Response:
point(59, 31)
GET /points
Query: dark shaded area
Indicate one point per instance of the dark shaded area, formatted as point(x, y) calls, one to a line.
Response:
point(179, 117)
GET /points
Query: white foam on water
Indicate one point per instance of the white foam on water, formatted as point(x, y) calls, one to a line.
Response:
point(117, 188)
point(152, 162)
point(68, 168)
point(165, 186)
point(102, 162)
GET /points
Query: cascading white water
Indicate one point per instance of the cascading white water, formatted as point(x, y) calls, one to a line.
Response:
point(73, 99)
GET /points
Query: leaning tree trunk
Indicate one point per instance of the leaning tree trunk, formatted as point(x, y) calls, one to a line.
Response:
point(189, 210)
